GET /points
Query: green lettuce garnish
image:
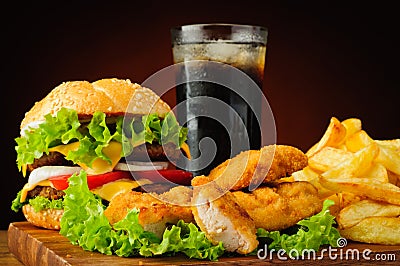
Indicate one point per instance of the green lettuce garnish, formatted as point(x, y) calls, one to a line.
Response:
point(16, 203)
point(64, 128)
point(314, 232)
point(166, 130)
point(38, 203)
point(85, 224)
point(61, 128)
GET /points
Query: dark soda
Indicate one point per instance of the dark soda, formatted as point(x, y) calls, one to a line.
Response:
point(232, 126)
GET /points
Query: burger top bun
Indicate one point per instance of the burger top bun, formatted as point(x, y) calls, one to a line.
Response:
point(111, 96)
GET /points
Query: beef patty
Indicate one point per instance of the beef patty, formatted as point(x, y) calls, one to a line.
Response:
point(143, 152)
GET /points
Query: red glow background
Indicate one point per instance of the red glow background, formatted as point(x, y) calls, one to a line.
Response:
point(323, 60)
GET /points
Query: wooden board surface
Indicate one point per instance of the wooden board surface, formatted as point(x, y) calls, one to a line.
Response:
point(6, 258)
point(34, 246)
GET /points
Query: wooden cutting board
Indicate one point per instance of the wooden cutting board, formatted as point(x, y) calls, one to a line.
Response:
point(35, 246)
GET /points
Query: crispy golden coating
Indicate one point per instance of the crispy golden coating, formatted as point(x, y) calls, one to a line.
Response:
point(222, 219)
point(256, 166)
point(179, 195)
point(154, 213)
point(282, 206)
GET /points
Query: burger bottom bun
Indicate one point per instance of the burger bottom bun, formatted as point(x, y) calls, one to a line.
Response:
point(48, 218)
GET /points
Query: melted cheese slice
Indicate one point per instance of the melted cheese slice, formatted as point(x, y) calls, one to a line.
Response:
point(27, 188)
point(99, 166)
point(110, 190)
point(185, 148)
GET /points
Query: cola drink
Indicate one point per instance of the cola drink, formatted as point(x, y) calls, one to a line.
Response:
point(232, 124)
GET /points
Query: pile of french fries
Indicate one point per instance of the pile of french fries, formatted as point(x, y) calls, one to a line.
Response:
point(362, 176)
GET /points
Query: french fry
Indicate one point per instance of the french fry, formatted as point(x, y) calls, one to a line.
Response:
point(347, 199)
point(393, 178)
point(365, 187)
point(390, 143)
point(352, 125)
point(342, 200)
point(364, 175)
point(333, 137)
point(356, 212)
point(389, 156)
point(328, 158)
point(356, 166)
point(358, 141)
point(307, 174)
point(377, 172)
point(376, 230)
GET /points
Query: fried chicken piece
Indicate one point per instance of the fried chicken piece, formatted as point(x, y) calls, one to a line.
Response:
point(282, 206)
point(155, 213)
point(252, 167)
point(179, 195)
point(222, 219)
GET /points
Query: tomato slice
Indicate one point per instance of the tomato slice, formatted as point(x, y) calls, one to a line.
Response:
point(94, 181)
point(180, 177)
point(60, 182)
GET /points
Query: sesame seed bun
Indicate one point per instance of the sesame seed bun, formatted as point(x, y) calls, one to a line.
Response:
point(48, 218)
point(110, 96)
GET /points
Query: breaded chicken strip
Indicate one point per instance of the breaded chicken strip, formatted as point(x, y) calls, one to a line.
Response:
point(154, 213)
point(223, 220)
point(253, 167)
point(282, 206)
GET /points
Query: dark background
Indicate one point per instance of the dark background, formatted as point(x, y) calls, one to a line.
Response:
point(324, 59)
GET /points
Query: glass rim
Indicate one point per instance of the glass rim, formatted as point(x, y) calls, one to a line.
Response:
point(221, 25)
point(218, 31)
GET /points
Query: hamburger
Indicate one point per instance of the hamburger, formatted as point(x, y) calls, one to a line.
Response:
point(121, 134)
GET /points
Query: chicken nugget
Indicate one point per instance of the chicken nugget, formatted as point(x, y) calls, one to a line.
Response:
point(222, 219)
point(252, 167)
point(155, 213)
point(282, 206)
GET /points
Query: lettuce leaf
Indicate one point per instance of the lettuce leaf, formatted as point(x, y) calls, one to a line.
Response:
point(172, 132)
point(314, 232)
point(152, 128)
point(85, 224)
point(16, 203)
point(64, 128)
point(38, 203)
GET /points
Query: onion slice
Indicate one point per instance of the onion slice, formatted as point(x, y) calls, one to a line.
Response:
point(45, 172)
point(141, 166)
